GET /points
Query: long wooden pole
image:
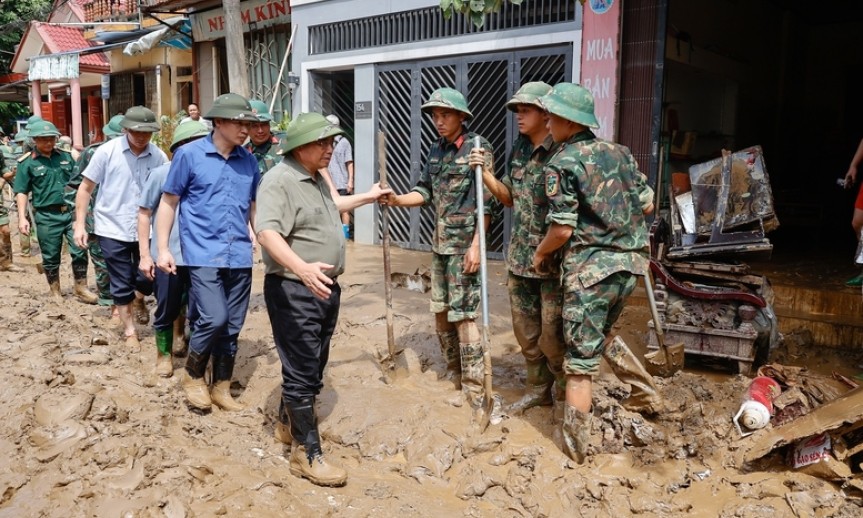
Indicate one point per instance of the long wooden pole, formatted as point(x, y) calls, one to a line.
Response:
point(385, 229)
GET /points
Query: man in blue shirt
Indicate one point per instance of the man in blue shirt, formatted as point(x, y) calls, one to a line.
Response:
point(214, 181)
point(168, 324)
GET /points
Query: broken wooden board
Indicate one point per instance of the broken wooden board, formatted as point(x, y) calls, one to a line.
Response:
point(847, 409)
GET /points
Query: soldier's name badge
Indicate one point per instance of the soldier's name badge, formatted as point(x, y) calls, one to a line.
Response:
point(552, 183)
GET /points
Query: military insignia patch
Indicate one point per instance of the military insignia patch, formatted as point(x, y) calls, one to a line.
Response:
point(552, 183)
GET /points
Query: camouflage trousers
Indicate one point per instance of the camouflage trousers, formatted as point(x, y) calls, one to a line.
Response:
point(103, 283)
point(588, 314)
point(453, 291)
point(537, 322)
point(4, 212)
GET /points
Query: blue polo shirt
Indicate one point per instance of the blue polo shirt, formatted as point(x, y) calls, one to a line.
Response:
point(215, 201)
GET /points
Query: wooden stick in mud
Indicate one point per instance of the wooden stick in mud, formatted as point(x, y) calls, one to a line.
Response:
point(385, 230)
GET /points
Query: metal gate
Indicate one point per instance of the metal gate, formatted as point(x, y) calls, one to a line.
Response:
point(265, 52)
point(488, 81)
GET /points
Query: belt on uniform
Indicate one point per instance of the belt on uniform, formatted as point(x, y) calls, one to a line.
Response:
point(60, 207)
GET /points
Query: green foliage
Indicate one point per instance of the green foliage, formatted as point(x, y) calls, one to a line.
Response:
point(165, 136)
point(15, 15)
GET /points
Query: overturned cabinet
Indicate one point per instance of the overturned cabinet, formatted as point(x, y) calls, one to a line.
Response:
point(706, 296)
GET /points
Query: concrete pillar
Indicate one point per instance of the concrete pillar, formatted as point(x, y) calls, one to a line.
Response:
point(77, 123)
point(36, 97)
point(365, 147)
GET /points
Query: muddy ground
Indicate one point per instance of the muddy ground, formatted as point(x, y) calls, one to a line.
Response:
point(86, 429)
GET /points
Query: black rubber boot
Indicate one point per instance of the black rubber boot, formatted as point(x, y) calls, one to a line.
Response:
point(307, 457)
point(223, 370)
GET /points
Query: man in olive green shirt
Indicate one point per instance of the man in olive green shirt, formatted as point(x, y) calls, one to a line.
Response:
point(300, 232)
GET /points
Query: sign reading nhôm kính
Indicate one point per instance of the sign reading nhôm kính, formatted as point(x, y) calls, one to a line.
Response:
point(210, 25)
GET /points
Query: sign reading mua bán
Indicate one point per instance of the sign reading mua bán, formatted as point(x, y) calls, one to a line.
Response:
point(210, 25)
point(600, 50)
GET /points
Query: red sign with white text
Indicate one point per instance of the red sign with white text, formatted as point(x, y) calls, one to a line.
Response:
point(600, 53)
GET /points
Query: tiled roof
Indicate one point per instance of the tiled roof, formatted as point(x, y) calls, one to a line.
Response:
point(78, 7)
point(62, 39)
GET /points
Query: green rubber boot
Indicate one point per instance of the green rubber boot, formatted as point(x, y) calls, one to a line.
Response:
point(164, 342)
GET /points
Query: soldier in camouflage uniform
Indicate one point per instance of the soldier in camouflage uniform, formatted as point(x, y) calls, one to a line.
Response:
point(44, 173)
point(7, 169)
point(447, 182)
point(261, 142)
point(103, 282)
point(23, 146)
point(597, 201)
point(535, 297)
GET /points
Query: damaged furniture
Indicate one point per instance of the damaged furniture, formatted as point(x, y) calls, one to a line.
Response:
point(707, 299)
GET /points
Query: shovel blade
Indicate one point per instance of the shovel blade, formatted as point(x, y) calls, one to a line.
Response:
point(665, 361)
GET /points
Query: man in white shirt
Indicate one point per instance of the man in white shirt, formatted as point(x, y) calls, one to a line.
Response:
point(120, 167)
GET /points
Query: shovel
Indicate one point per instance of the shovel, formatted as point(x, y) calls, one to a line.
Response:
point(668, 359)
point(489, 402)
point(393, 364)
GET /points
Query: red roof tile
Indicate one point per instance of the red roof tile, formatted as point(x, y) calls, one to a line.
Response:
point(62, 39)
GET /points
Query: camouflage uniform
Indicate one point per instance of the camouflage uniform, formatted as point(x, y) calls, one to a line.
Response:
point(595, 187)
point(447, 182)
point(265, 154)
point(535, 298)
point(5, 168)
point(103, 282)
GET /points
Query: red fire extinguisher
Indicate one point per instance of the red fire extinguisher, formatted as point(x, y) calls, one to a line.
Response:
point(757, 407)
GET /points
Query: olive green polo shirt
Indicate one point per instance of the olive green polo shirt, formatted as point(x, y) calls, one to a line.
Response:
point(300, 209)
point(45, 177)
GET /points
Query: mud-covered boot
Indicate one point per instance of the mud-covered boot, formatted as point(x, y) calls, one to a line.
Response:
point(450, 351)
point(644, 396)
point(307, 457)
point(180, 346)
point(140, 311)
point(537, 388)
point(194, 385)
point(6, 264)
point(576, 433)
point(472, 373)
point(53, 277)
point(558, 398)
point(223, 371)
point(164, 365)
point(82, 293)
point(282, 431)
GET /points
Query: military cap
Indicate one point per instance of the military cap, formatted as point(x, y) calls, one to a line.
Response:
point(572, 102)
point(42, 128)
point(188, 130)
point(261, 110)
point(232, 107)
point(447, 98)
point(140, 118)
point(307, 128)
point(529, 93)
point(113, 128)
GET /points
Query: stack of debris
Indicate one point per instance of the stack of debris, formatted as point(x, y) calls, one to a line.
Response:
point(706, 297)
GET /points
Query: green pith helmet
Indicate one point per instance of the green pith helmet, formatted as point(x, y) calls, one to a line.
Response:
point(447, 98)
point(21, 136)
point(233, 107)
point(188, 130)
point(307, 128)
point(34, 118)
point(261, 110)
point(572, 102)
point(42, 129)
point(113, 129)
point(140, 118)
point(529, 93)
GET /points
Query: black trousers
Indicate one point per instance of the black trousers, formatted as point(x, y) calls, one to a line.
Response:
point(302, 327)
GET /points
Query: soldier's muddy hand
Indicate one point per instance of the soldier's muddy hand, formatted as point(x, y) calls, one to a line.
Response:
point(540, 263)
point(480, 157)
point(390, 199)
point(471, 259)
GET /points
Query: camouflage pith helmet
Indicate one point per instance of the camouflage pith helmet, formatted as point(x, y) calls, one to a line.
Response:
point(113, 129)
point(572, 102)
point(232, 107)
point(34, 118)
point(447, 98)
point(42, 128)
point(188, 130)
point(529, 93)
point(261, 110)
point(140, 118)
point(305, 129)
